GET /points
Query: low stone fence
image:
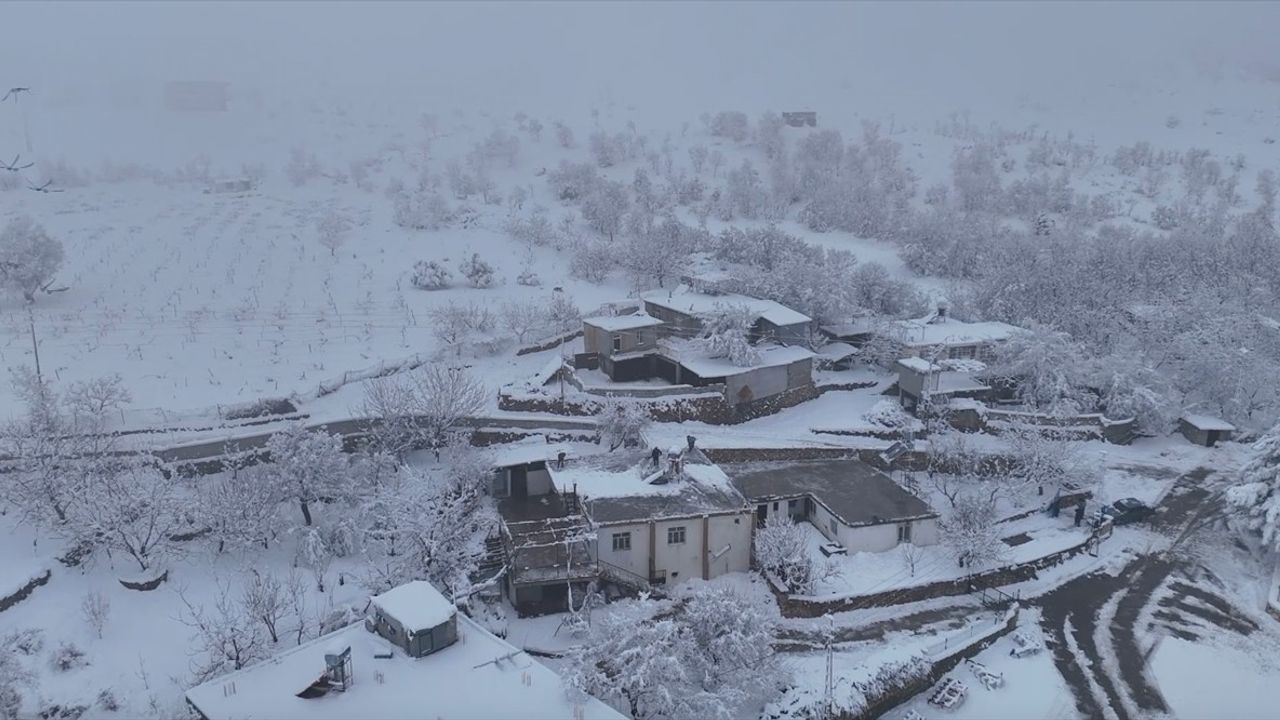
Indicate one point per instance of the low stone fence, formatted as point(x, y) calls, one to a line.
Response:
point(550, 343)
point(1093, 426)
point(797, 606)
point(24, 591)
point(880, 706)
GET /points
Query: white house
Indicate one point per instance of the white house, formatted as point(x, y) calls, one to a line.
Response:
point(660, 524)
point(848, 501)
point(356, 673)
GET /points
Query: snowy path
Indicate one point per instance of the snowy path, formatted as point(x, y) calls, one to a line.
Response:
point(1101, 655)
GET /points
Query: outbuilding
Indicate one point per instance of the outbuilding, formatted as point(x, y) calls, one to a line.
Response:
point(1205, 430)
point(416, 618)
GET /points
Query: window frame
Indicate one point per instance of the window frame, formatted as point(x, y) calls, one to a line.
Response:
point(678, 531)
point(904, 533)
point(621, 542)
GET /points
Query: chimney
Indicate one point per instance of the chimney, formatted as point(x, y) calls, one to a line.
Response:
point(691, 440)
point(942, 309)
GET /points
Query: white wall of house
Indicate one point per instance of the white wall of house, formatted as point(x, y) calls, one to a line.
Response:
point(879, 538)
point(727, 546)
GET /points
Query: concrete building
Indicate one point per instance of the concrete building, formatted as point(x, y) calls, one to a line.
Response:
point(353, 673)
point(921, 381)
point(661, 524)
point(938, 336)
point(1205, 430)
point(625, 344)
point(848, 501)
point(684, 310)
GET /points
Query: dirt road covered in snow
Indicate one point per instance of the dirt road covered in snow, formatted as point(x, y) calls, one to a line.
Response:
point(1096, 624)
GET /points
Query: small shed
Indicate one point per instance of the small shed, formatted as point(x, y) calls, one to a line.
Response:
point(416, 618)
point(1205, 430)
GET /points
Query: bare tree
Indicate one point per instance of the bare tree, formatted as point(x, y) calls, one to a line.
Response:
point(264, 597)
point(422, 408)
point(332, 231)
point(95, 607)
point(133, 508)
point(227, 637)
point(523, 317)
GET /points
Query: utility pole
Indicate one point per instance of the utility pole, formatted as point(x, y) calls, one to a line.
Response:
point(35, 347)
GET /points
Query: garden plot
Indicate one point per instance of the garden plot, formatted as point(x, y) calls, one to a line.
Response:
point(907, 565)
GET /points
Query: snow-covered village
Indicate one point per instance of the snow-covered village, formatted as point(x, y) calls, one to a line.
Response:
point(602, 360)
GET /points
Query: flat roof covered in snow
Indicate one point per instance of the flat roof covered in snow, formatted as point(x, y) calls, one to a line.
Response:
point(477, 678)
point(690, 302)
point(416, 605)
point(1208, 422)
point(918, 365)
point(947, 331)
point(620, 487)
point(854, 491)
point(616, 323)
point(708, 367)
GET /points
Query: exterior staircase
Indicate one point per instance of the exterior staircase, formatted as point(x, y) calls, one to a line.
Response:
point(628, 580)
point(495, 555)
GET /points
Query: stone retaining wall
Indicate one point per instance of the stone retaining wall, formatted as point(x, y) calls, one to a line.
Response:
point(808, 607)
point(25, 591)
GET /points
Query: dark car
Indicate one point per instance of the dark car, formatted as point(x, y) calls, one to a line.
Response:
point(1128, 510)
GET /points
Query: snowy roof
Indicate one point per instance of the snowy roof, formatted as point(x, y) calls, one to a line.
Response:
point(854, 491)
point(622, 322)
point(416, 605)
point(619, 487)
point(837, 351)
point(534, 449)
point(1208, 422)
point(479, 677)
point(918, 365)
point(687, 301)
point(951, 381)
point(708, 367)
point(933, 330)
point(857, 326)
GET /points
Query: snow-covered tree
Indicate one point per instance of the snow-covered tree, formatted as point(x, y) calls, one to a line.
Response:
point(727, 334)
point(573, 182)
point(605, 206)
point(307, 466)
point(454, 324)
point(226, 637)
point(1256, 494)
point(655, 253)
point(90, 401)
point(131, 508)
point(29, 258)
point(621, 421)
point(710, 658)
point(731, 124)
point(563, 313)
point(564, 134)
point(782, 548)
point(240, 507)
point(477, 272)
point(422, 408)
point(302, 166)
point(432, 522)
point(430, 275)
point(698, 158)
point(592, 260)
point(521, 318)
point(971, 532)
point(1048, 367)
point(332, 231)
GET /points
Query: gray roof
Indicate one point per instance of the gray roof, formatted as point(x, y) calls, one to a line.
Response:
point(854, 491)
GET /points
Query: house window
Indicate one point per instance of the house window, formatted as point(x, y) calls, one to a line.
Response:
point(904, 533)
point(835, 529)
point(792, 505)
point(621, 541)
point(963, 352)
point(617, 343)
point(675, 535)
point(501, 487)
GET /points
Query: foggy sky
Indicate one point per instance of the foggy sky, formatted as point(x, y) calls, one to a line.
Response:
point(691, 55)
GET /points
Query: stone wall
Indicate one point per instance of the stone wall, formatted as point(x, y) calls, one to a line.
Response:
point(25, 591)
point(880, 706)
point(808, 607)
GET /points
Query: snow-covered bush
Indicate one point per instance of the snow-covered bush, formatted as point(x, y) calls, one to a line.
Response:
point(477, 272)
point(571, 182)
point(106, 701)
point(1048, 368)
point(971, 533)
point(528, 278)
point(535, 230)
point(523, 317)
point(889, 414)
point(332, 231)
point(564, 134)
point(782, 549)
point(563, 313)
point(592, 260)
point(68, 657)
point(307, 466)
point(621, 421)
point(1256, 494)
point(605, 206)
point(608, 150)
point(29, 258)
point(430, 275)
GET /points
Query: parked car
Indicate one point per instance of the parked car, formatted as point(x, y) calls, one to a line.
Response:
point(1127, 511)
